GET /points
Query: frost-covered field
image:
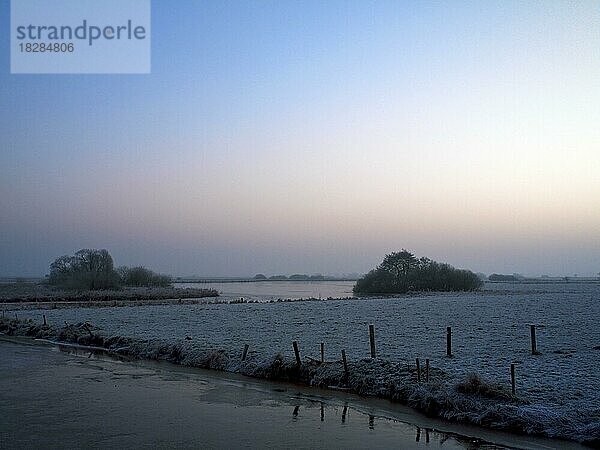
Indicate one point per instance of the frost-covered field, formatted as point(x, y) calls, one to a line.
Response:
point(490, 331)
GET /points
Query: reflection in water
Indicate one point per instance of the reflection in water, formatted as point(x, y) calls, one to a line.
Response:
point(437, 439)
point(93, 352)
point(430, 435)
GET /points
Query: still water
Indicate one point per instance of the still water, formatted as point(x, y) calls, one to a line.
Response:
point(273, 290)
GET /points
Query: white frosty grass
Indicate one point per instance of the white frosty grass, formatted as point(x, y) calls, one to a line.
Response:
point(559, 389)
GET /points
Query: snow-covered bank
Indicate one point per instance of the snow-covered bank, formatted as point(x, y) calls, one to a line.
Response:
point(461, 399)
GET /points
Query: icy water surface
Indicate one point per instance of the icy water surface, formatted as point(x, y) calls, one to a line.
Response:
point(273, 290)
point(197, 409)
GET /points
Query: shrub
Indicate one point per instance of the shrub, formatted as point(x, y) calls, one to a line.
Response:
point(475, 385)
point(140, 276)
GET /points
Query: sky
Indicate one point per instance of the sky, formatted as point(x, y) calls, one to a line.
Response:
point(315, 137)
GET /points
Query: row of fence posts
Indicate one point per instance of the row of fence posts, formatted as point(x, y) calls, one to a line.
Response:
point(449, 354)
point(534, 350)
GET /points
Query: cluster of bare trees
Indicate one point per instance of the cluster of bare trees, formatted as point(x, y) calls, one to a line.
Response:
point(91, 269)
point(86, 269)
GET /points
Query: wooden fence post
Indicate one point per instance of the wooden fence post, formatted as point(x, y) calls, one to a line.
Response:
point(297, 353)
point(512, 378)
point(427, 370)
point(345, 363)
point(44, 316)
point(449, 341)
point(322, 352)
point(418, 371)
point(372, 339)
point(245, 352)
point(533, 341)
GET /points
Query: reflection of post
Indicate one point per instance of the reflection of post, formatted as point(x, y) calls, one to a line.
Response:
point(418, 438)
point(371, 422)
point(427, 436)
point(322, 412)
point(344, 413)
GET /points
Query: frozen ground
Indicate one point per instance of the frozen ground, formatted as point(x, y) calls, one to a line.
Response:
point(490, 331)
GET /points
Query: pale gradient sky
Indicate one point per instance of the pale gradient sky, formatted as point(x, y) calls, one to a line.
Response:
point(283, 137)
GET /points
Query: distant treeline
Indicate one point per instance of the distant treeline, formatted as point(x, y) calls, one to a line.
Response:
point(401, 272)
point(500, 277)
point(296, 276)
point(91, 269)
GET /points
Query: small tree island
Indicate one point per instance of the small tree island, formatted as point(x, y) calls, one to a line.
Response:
point(90, 276)
point(401, 272)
